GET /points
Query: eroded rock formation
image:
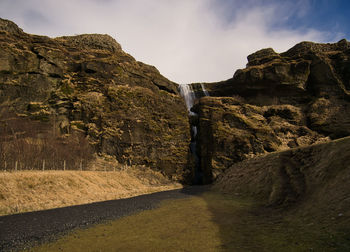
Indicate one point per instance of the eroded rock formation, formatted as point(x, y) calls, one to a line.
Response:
point(87, 83)
point(279, 101)
point(129, 110)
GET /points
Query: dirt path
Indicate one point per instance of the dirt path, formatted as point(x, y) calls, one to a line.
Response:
point(192, 219)
point(210, 221)
point(23, 230)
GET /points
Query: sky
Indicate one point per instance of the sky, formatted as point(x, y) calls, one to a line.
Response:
point(188, 40)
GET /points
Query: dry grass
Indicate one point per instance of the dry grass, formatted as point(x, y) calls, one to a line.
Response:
point(24, 191)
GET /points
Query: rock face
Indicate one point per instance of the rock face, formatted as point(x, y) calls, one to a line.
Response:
point(129, 110)
point(279, 101)
point(87, 83)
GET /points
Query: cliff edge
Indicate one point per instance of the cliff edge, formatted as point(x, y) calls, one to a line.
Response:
point(279, 101)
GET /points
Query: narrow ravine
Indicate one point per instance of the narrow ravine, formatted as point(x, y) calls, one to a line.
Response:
point(190, 96)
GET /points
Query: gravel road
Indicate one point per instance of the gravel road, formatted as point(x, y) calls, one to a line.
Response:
point(24, 230)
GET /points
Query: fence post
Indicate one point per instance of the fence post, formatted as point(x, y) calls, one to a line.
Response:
point(64, 165)
point(81, 164)
point(16, 164)
point(5, 165)
point(44, 165)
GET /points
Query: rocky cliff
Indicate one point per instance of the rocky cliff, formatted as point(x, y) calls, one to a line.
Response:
point(279, 101)
point(86, 83)
point(127, 109)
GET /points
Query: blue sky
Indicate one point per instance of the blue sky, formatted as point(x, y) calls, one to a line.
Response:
point(332, 16)
point(188, 40)
point(326, 15)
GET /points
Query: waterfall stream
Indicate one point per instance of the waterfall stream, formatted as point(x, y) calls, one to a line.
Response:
point(204, 90)
point(189, 95)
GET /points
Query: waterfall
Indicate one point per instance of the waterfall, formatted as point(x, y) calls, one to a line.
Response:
point(206, 93)
point(189, 95)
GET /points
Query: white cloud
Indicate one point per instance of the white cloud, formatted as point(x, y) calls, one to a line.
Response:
point(187, 40)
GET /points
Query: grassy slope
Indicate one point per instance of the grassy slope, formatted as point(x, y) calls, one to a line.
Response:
point(310, 182)
point(210, 222)
point(36, 190)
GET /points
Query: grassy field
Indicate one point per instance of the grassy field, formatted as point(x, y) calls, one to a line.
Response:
point(210, 222)
point(24, 191)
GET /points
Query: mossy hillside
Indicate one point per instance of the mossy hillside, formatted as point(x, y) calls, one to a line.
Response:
point(308, 181)
point(278, 102)
point(87, 83)
point(231, 131)
point(307, 186)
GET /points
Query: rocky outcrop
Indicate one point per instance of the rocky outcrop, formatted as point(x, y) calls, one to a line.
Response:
point(279, 101)
point(127, 109)
point(87, 83)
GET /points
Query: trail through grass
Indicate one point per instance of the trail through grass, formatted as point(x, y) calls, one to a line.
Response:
point(209, 222)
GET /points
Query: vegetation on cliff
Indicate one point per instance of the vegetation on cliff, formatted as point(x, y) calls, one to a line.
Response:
point(277, 133)
point(279, 101)
point(86, 83)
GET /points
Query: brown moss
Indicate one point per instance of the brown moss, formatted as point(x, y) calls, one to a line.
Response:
point(126, 108)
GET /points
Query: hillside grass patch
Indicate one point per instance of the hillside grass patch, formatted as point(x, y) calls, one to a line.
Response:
point(24, 191)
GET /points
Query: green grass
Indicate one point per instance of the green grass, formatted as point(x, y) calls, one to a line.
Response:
point(210, 222)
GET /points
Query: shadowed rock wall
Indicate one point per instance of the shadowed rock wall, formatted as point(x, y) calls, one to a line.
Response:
point(87, 83)
point(279, 101)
